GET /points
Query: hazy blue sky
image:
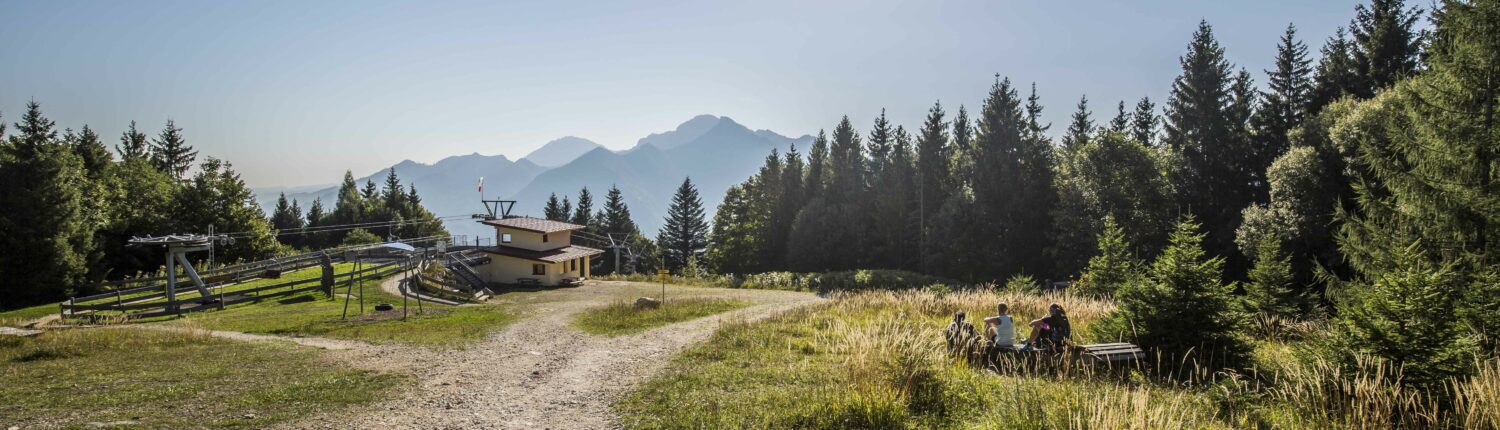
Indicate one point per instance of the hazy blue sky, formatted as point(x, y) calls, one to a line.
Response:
point(295, 92)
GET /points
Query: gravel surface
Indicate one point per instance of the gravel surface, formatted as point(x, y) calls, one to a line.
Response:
point(539, 372)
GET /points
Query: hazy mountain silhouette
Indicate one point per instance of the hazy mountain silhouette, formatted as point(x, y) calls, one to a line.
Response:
point(716, 152)
point(561, 151)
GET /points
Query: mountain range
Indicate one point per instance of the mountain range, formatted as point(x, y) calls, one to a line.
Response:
point(715, 151)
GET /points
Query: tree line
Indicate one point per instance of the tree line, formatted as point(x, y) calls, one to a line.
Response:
point(72, 206)
point(1357, 188)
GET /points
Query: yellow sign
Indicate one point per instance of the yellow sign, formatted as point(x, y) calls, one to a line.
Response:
point(663, 274)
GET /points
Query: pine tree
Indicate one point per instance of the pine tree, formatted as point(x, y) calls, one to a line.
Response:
point(785, 213)
point(765, 193)
point(370, 192)
point(892, 211)
point(350, 206)
point(1397, 314)
point(1386, 46)
point(846, 165)
point(1014, 190)
point(1427, 150)
point(817, 168)
point(1080, 127)
point(286, 218)
point(615, 219)
point(881, 141)
point(1204, 131)
point(685, 234)
point(553, 210)
point(1113, 266)
point(1034, 128)
point(934, 154)
point(91, 150)
point(584, 212)
point(133, 144)
point(171, 152)
point(1269, 291)
point(46, 239)
point(1121, 122)
point(736, 242)
point(1143, 123)
point(961, 168)
point(217, 196)
point(1335, 76)
point(315, 217)
point(1181, 308)
point(394, 195)
point(1284, 104)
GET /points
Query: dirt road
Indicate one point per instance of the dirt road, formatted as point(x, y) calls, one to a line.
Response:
point(540, 372)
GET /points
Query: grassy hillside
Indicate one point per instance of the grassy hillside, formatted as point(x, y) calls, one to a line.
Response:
point(152, 379)
point(877, 360)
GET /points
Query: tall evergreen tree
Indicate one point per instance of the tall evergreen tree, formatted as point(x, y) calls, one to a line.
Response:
point(1014, 189)
point(1204, 131)
point(171, 152)
point(216, 196)
point(881, 141)
point(817, 168)
point(736, 242)
point(47, 240)
point(393, 193)
point(784, 214)
point(685, 235)
point(615, 219)
point(1182, 308)
point(350, 206)
point(1427, 147)
point(1121, 122)
point(961, 167)
point(1143, 122)
point(133, 144)
point(92, 152)
point(1081, 126)
point(316, 216)
point(584, 212)
point(1386, 44)
point(369, 193)
point(1113, 266)
point(1284, 103)
point(1270, 290)
point(286, 218)
point(892, 212)
point(1335, 75)
point(766, 193)
point(553, 210)
point(933, 178)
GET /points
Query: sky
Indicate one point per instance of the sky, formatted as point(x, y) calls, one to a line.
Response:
point(295, 92)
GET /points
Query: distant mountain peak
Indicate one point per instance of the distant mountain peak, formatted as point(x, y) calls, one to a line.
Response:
point(688, 131)
point(561, 151)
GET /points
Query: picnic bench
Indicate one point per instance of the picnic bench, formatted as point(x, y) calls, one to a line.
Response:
point(528, 281)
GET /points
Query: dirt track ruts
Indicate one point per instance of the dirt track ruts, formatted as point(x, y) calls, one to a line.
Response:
point(539, 372)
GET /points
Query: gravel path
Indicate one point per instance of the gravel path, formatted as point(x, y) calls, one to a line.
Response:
point(540, 372)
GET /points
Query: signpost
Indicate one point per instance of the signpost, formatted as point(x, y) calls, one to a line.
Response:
point(662, 275)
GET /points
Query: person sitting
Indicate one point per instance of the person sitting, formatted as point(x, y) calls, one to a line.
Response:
point(959, 332)
point(1001, 329)
point(1050, 332)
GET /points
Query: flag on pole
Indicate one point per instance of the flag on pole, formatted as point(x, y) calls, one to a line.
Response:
point(481, 184)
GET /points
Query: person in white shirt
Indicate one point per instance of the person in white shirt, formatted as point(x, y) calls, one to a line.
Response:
point(1001, 329)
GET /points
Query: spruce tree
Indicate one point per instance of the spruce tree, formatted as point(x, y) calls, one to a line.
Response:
point(394, 195)
point(553, 210)
point(1427, 150)
point(1398, 315)
point(892, 210)
point(1284, 103)
point(1113, 266)
point(736, 243)
point(369, 193)
point(1014, 190)
point(934, 155)
point(1335, 75)
point(1270, 290)
point(881, 141)
point(217, 196)
point(171, 152)
point(614, 219)
point(47, 240)
point(92, 152)
point(1386, 44)
point(1080, 127)
point(961, 167)
point(286, 218)
point(1143, 122)
point(765, 193)
point(782, 217)
point(133, 144)
point(1181, 308)
point(350, 206)
point(315, 217)
point(685, 234)
point(584, 212)
point(1203, 129)
point(1121, 122)
point(817, 168)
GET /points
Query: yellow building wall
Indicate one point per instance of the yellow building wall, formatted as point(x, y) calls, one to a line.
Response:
point(504, 269)
point(532, 240)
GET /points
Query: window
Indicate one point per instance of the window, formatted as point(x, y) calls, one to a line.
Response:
point(544, 237)
point(574, 264)
point(505, 238)
point(539, 269)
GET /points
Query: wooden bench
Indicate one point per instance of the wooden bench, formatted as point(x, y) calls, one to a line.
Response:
point(572, 281)
point(1111, 353)
point(528, 281)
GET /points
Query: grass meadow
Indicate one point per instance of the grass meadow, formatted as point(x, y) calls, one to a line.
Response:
point(157, 379)
point(878, 360)
point(621, 318)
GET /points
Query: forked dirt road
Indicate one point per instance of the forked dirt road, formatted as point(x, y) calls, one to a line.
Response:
point(539, 372)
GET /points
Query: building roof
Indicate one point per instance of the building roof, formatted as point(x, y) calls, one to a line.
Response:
point(550, 256)
point(532, 224)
